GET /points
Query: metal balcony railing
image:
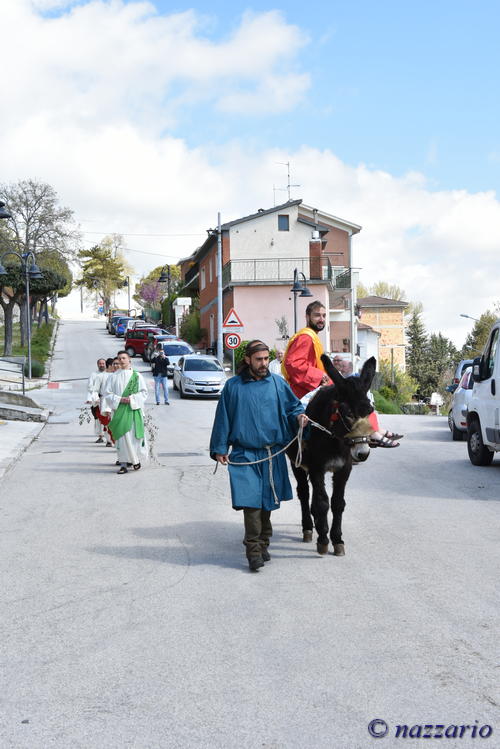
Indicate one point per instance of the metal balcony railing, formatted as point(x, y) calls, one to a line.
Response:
point(268, 270)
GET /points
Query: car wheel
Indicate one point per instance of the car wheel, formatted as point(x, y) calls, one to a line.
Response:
point(130, 351)
point(479, 454)
point(456, 434)
point(181, 391)
point(174, 385)
point(450, 420)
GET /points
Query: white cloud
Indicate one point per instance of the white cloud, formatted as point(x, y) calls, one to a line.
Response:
point(86, 106)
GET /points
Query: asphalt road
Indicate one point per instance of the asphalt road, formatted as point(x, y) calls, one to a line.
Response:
point(130, 618)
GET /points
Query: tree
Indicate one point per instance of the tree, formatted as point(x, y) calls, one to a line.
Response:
point(389, 291)
point(150, 293)
point(191, 330)
point(38, 224)
point(476, 340)
point(13, 289)
point(417, 345)
point(103, 268)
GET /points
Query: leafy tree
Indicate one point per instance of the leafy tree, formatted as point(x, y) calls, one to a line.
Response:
point(13, 289)
point(389, 291)
point(151, 293)
point(417, 346)
point(440, 358)
point(477, 338)
point(38, 224)
point(191, 330)
point(103, 268)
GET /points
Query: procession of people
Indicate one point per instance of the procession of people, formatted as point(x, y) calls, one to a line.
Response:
point(117, 394)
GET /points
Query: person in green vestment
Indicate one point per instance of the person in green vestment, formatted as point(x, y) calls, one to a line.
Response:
point(126, 393)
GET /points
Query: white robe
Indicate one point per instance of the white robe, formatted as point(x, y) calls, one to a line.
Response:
point(95, 389)
point(130, 449)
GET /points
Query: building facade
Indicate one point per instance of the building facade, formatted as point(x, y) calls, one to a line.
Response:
point(261, 253)
point(387, 317)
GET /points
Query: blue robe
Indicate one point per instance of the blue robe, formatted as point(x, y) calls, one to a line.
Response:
point(250, 415)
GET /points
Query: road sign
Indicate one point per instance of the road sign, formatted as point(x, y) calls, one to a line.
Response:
point(232, 320)
point(233, 340)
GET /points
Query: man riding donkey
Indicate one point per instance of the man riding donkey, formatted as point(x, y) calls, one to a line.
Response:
point(258, 416)
point(304, 371)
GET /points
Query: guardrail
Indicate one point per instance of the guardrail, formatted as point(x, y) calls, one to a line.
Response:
point(13, 365)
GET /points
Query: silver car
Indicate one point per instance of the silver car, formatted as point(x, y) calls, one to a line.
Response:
point(199, 375)
point(457, 417)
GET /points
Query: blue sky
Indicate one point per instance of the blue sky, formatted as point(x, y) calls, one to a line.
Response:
point(149, 118)
point(399, 86)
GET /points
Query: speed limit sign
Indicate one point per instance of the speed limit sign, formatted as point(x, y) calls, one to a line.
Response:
point(233, 340)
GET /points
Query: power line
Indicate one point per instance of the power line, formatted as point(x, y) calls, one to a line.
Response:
point(126, 234)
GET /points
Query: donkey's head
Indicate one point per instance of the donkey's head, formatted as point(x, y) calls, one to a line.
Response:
point(351, 406)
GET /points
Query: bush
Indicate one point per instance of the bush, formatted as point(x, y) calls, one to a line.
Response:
point(385, 405)
point(37, 369)
point(403, 388)
point(388, 393)
point(415, 409)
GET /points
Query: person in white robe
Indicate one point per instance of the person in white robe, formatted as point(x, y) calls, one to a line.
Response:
point(127, 423)
point(94, 393)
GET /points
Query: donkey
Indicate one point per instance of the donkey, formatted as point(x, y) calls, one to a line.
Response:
point(343, 409)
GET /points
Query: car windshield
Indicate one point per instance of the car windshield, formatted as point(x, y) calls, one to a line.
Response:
point(175, 349)
point(202, 365)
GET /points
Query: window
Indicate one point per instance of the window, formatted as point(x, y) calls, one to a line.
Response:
point(283, 222)
point(491, 355)
point(210, 270)
point(203, 280)
point(202, 365)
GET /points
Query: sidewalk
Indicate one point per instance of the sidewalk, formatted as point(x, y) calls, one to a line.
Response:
point(15, 438)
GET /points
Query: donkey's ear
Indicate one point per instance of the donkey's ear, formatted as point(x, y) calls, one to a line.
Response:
point(368, 372)
point(332, 372)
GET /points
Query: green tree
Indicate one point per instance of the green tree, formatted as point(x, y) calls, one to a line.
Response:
point(476, 340)
point(38, 224)
point(389, 291)
point(103, 269)
point(440, 358)
point(13, 289)
point(417, 345)
point(190, 329)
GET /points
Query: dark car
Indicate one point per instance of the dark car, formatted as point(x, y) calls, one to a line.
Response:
point(121, 326)
point(137, 339)
point(153, 342)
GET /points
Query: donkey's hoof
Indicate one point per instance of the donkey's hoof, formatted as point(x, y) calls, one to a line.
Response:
point(322, 548)
point(307, 536)
point(339, 550)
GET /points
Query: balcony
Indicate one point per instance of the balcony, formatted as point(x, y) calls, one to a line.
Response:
point(277, 271)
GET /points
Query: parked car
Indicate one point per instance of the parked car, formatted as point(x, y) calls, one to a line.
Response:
point(198, 375)
point(120, 326)
point(114, 312)
point(137, 339)
point(138, 322)
point(459, 370)
point(483, 429)
point(153, 342)
point(174, 350)
point(457, 416)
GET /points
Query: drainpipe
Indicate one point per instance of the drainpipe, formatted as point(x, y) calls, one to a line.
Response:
point(352, 314)
point(220, 350)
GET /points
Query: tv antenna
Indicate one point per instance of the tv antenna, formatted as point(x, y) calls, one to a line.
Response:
point(289, 184)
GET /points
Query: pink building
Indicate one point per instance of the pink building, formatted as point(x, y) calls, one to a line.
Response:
point(260, 254)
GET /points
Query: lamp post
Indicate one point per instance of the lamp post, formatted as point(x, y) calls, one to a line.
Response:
point(127, 284)
point(469, 317)
point(33, 272)
point(301, 290)
point(166, 277)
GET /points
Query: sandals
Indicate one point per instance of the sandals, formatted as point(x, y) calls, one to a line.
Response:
point(392, 435)
point(383, 442)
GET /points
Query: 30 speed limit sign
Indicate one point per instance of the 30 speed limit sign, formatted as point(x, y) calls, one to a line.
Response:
point(233, 340)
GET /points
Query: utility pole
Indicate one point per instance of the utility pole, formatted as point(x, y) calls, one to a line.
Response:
point(220, 350)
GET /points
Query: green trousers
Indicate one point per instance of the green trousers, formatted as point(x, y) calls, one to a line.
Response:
point(258, 530)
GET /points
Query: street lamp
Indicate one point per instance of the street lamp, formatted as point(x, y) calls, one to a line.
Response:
point(34, 272)
point(127, 284)
point(3, 212)
point(299, 289)
point(470, 318)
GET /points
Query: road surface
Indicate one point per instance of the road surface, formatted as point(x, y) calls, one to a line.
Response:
point(130, 618)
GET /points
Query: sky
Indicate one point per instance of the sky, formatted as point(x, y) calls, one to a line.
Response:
point(150, 117)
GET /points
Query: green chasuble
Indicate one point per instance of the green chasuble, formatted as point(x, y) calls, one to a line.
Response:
point(125, 417)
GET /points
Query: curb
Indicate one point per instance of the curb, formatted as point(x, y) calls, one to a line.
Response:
point(10, 461)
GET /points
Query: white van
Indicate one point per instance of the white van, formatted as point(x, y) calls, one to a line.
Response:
point(483, 417)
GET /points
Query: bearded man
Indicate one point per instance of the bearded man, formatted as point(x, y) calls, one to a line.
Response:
point(302, 367)
point(257, 415)
point(126, 393)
